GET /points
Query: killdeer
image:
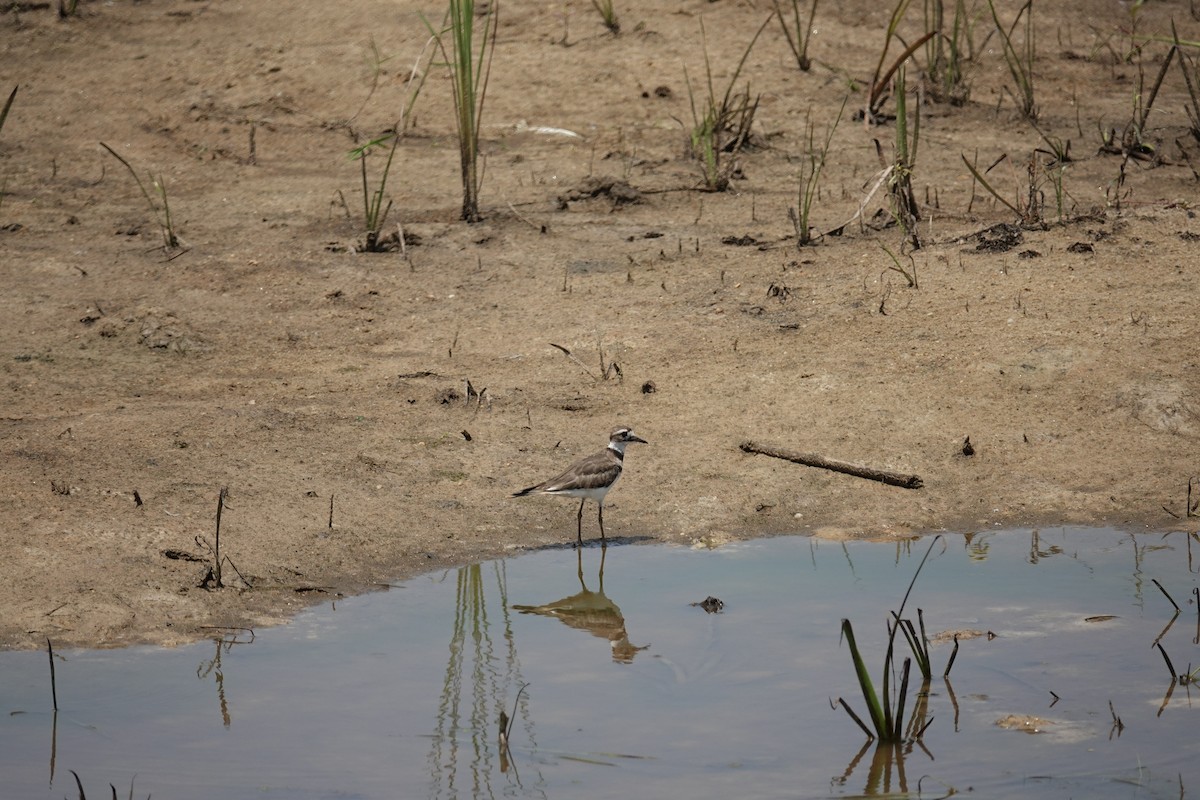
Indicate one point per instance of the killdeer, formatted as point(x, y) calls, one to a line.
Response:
point(590, 477)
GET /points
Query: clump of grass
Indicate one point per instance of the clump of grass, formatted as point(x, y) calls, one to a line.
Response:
point(919, 645)
point(1045, 166)
point(900, 190)
point(608, 15)
point(1055, 167)
point(469, 57)
point(160, 207)
point(1028, 202)
point(375, 213)
point(886, 708)
point(609, 368)
point(882, 79)
point(215, 570)
point(797, 31)
point(376, 205)
point(946, 54)
point(1135, 143)
point(83, 795)
point(214, 575)
point(721, 128)
point(1183, 678)
point(910, 274)
point(812, 162)
point(887, 715)
point(1019, 60)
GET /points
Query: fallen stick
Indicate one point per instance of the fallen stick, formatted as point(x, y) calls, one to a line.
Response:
point(813, 460)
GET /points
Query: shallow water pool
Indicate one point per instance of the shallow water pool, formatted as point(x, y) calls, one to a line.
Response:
point(632, 691)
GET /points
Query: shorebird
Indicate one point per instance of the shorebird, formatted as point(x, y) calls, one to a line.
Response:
point(590, 477)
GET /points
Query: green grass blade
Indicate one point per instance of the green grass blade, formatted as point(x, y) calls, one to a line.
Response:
point(917, 574)
point(950, 661)
point(922, 651)
point(857, 719)
point(162, 215)
point(168, 231)
point(793, 45)
point(811, 182)
point(1020, 65)
point(79, 784)
point(919, 648)
point(374, 211)
point(983, 182)
point(470, 73)
point(897, 14)
point(366, 192)
point(901, 122)
point(897, 729)
point(912, 48)
point(738, 71)
point(885, 694)
point(874, 708)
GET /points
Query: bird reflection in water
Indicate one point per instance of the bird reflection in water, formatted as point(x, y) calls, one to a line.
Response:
point(592, 612)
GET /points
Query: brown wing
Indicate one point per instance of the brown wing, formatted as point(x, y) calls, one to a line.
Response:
point(593, 472)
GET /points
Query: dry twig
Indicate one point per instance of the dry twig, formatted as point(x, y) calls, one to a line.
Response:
point(814, 460)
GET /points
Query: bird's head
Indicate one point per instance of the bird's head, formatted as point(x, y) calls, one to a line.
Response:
point(623, 436)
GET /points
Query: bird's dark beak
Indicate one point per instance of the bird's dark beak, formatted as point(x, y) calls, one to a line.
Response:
point(633, 437)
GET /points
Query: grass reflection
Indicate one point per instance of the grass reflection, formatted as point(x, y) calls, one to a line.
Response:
point(482, 672)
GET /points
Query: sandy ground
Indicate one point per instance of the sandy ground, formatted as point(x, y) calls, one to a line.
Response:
point(268, 356)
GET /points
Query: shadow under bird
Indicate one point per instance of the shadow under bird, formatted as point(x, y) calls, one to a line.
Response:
point(590, 478)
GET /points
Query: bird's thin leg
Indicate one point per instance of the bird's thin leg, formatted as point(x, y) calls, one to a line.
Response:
point(603, 541)
point(579, 524)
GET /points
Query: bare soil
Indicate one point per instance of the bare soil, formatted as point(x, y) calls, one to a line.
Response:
point(271, 357)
